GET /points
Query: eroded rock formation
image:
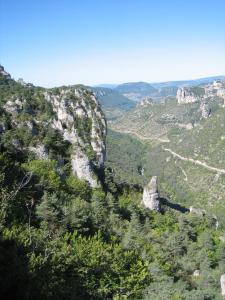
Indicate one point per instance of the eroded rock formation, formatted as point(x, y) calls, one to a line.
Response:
point(4, 73)
point(82, 123)
point(205, 110)
point(73, 111)
point(146, 102)
point(187, 95)
point(151, 196)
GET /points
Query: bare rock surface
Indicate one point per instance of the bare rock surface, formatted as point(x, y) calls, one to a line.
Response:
point(151, 196)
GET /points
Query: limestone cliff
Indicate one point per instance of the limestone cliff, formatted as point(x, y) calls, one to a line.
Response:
point(76, 108)
point(3, 73)
point(205, 110)
point(31, 115)
point(145, 102)
point(187, 95)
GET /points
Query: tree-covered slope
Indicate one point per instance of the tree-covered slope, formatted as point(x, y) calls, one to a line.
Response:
point(190, 170)
point(111, 98)
point(126, 157)
point(62, 237)
point(185, 149)
point(114, 104)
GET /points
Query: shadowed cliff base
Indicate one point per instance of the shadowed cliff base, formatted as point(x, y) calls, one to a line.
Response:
point(165, 203)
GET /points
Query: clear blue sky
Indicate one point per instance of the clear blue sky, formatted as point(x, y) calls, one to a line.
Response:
point(54, 42)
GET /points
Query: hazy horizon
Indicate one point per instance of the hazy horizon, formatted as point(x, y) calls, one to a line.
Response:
point(53, 43)
point(108, 84)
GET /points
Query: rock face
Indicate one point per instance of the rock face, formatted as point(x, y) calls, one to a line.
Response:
point(74, 114)
point(196, 273)
point(206, 111)
point(150, 195)
point(14, 106)
point(217, 88)
point(187, 95)
point(217, 84)
point(221, 94)
point(222, 283)
point(40, 151)
point(4, 73)
point(21, 81)
point(146, 102)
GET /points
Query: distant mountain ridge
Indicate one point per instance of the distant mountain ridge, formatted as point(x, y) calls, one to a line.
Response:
point(140, 86)
point(191, 82)
point(117, 99)
point(111, 97)
point(161, 84)
point(113, 103)
point(136, 91)
point(106, 85)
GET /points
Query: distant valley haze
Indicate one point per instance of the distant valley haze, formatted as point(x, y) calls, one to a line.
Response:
point(53, 43)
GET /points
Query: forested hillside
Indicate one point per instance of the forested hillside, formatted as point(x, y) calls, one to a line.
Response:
point(73, 226)
point(183, 142)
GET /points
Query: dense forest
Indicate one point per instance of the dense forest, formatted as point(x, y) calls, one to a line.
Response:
point(62, 239)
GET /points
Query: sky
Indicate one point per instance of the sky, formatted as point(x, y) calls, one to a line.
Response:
point(57, 42)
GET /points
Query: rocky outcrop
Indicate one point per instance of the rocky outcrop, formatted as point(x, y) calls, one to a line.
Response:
point(217, 84)
point(221, 94)
point(205, 110)
point(40, 151)
point(151, 196)
point(21, 81)
point(222, 283)
point(197, 211)
point(82, 123)
point(14, 106)
point(72, 112)
point(4, 73)
point(187, 95)
point(196, 273)
point(146, 102)
point(83, 168)
point(217, 88)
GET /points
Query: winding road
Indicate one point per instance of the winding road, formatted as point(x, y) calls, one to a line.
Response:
point(196, 162)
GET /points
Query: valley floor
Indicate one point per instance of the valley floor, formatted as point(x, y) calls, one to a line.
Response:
point(144, 138)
